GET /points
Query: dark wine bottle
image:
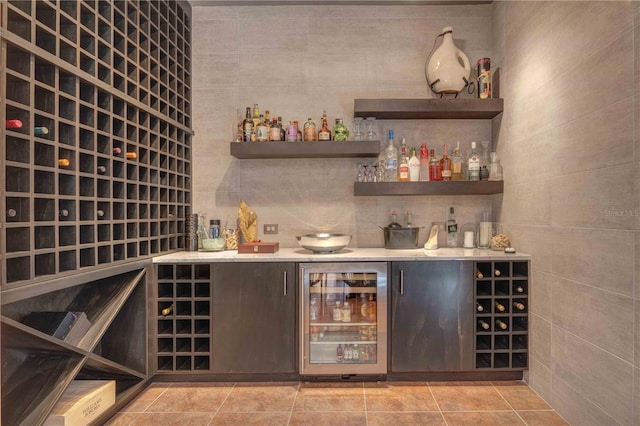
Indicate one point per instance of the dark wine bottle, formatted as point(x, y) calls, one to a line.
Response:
point(13, 124)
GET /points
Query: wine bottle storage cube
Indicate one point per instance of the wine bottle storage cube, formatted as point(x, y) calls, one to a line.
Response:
point(74, 131)
point(183, 317)
point(502, 306)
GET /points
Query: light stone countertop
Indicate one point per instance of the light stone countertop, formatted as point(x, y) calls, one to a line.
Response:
point(344, 255)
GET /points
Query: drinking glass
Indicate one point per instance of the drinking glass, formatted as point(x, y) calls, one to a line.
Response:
point(357, 133)
point(371, 134)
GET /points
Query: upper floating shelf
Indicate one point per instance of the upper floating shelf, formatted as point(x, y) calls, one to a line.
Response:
point(429, 188)
point(315, 149)
point(411, 109)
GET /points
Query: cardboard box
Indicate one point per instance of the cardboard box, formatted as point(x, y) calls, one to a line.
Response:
point(83, 402)
point(258, 247)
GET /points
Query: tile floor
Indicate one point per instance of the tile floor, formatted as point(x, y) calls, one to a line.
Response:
point(357, 403)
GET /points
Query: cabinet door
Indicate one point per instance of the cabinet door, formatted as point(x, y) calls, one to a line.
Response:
point(254, 318)
point(431, 316)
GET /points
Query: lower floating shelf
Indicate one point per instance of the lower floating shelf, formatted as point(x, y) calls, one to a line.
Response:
point(429, 188)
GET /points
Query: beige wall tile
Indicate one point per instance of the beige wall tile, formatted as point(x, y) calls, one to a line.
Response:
point(348, 70)
point(215, 36)
point(276, 69)
point(540, 379)
point(636, 130)
point(536, 241)
point(540, 340)
point(210, 13)
point(572, 405)
point(600, 198)
point(636, 393)
point(540, 291)
point(351, 35)
point(292, 102)
point(637, 274)
point(528, 203)
point(609, 382)
point(215, 71)
point(636, 336)
point(594, 315)
point(268, 34)
point(213, 120)
point(602, 258)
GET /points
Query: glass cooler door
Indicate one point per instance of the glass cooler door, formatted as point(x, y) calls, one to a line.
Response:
point(343, 318)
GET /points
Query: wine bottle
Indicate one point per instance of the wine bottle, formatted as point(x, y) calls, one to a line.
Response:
point(100, 213)
point(339, 353)
point(519, 289)
point(131, 155)
point(479, 274)
point(479, 307)
point(117, 150)
point(64, 213)
point(64, 162)
point(40, 131)
point(13, 124)
point(519, 306)
point(101, 170)
point(501, 324)
point(445, 165)
point(483, 325)
point(167, 311)
point(497, 272)
point(500, 307)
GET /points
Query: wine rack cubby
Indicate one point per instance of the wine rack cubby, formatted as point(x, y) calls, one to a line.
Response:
point(501, 291)
point(97, 164)
point(184, 318)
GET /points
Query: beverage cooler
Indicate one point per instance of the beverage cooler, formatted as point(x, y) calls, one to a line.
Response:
point(343, 318)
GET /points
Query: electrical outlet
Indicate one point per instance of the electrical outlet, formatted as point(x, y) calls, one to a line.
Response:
point(270, 229)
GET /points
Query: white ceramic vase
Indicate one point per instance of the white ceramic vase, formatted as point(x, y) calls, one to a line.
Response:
point(448, 69)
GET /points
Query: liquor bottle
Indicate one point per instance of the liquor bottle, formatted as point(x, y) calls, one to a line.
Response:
point(64, 162)
point(500, 307)
point(424, 162)
point(101, 170)
point(131, 155)
point(355, 352)
point(390, 161)
point(394, 220)
point(519, 306)
point(457, 164)
point(337, 312)
point(364, 307)
point(117, 150)
point(247, 126)
point(414, 167)
point(434, 167)
point(299, 135)
point(256, 117)
point(479, 307)
point(292, 132)
point(372, 308)
point(348, 352)
point(346, 312)
point(274, 131)
point(313, 310)
point(445, 165)
point(473, 164)
point(340, 131)
point(452, 228)
point(501, 324)
point(409, 219)
point(40, 131)
point(262, 131)
point(324, 134)
point(282, 130)
point(484, 160)
point(403, 163)
point(13, 124)
point(267, 118)
point(339, 353)
point(483, 325)
point(167, 311)
point(310, 130)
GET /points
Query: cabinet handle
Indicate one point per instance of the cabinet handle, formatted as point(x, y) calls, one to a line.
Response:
point(284, 283)
point(401, 282)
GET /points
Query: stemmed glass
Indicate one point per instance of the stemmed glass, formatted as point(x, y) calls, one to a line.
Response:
point(371, 134)
point(357, 133)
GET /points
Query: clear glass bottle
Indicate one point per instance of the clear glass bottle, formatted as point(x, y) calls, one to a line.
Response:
point(484, 160)
point(256, 116)
point(403, 163)
point(445, 165)
point(313, 310)
point(390, 161)
point(346, 312)
point(310, 130)
point(495, 168)
point(452, 228)
point(473, 164)
point(424, 163)
point(262, 130)
point(457, 164)
point(409, 219)
point(337, 311)
point(247, 126)
point(414, 166)
point(324, 134)
point(292, 132)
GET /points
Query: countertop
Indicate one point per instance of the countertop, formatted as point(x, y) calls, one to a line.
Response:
point(344, 255)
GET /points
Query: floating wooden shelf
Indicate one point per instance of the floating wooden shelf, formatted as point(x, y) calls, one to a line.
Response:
point(428, 188)
point(316, 149)
point(409, 109)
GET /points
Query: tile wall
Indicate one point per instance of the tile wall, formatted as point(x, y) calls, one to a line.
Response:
point(297, 61)
point(569, 136)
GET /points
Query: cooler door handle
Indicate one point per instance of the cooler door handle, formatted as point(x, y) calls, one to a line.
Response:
point(401, 282)
point(284, 283)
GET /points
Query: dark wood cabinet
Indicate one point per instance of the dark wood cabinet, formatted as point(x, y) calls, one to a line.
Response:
point(431, 316)
point(254, 318)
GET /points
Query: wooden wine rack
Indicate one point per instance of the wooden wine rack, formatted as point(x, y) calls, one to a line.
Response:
point(496, 348)
point(184, 332)
point(106, 78)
